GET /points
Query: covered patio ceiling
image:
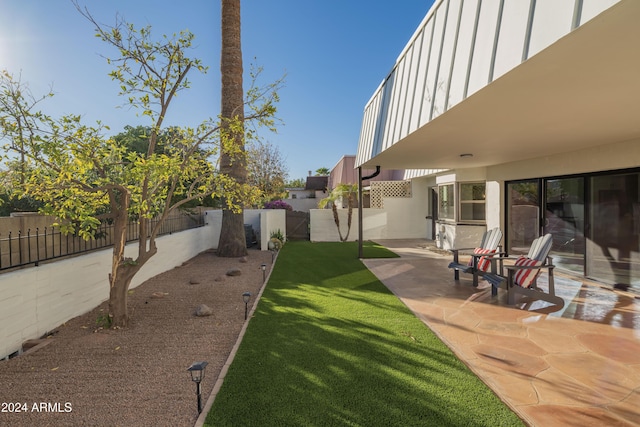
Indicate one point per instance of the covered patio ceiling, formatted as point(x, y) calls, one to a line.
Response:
point(582, 91)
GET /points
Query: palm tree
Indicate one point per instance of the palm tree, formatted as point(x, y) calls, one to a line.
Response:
point(341, 192)
point(233, 157)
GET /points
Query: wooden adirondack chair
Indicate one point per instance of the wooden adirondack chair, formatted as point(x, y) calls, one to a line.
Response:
point(480, 256)
point(522, 276)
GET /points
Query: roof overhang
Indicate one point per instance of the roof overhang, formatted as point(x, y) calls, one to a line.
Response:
point(580, 92)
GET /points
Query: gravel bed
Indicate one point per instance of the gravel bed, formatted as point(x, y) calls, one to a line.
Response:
point(136, 376)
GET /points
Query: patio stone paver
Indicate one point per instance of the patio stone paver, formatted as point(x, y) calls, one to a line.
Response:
point(574, 366)
point(555, 342)
point(558, 415)
point(555, 388)
point(512, 361)
point(612, 347)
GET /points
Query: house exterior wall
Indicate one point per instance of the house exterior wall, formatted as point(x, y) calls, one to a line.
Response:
point(459, 48)
point(299, 194)
point(622, 155)
point(618, 156)
point(553, 104)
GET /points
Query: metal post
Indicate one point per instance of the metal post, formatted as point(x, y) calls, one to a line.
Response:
point(199, 397)
point(360, 212)
point(360, 207)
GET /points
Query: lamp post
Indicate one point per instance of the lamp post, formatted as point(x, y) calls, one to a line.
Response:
point(264, 272)
point(245, 297)
point(197, 375)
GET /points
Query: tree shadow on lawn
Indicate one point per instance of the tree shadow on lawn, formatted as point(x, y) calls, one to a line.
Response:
point(330, 344)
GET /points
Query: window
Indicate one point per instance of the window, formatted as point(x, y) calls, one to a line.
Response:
point(472, 202)
point(446, 203)
point(467, 206)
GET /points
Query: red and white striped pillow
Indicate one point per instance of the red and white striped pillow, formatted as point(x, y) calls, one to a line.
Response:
point(483, 262)
point(525, 277)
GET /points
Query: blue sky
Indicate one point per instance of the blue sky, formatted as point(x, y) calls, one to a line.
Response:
point(334, 54)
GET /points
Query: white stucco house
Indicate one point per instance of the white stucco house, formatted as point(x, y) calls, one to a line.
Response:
point(306, 198)
point(522, 115)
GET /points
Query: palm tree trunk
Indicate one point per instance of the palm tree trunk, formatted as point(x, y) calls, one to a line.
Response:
point(350, 203)
point(336, 219)
point(233, 157)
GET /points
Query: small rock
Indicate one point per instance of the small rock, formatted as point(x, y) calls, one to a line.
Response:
point(234, 272)
point(219, 279)
point(202, 310)
point(194, 282)
point(244, 260)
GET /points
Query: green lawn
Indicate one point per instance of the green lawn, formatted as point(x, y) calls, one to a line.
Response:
point(330, 345)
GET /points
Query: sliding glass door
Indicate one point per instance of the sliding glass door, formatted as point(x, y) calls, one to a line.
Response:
point(562, 216)
point(564, 219)
point(523, 215)
point(594, 220)
point(613, 250)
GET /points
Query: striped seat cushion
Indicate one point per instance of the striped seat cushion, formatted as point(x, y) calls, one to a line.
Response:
point(525, 277)
point(483, 262)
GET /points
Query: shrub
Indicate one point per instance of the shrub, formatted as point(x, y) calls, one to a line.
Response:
point(278, 204)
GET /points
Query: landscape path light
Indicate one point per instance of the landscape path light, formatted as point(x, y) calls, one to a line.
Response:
point(246, 297)
point(197, 375)
point(264, 272)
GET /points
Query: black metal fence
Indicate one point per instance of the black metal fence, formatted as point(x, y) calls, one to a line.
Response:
point(36, 245)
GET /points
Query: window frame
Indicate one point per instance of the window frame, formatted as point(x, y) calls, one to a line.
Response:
point(441, 216)
point(460, 202)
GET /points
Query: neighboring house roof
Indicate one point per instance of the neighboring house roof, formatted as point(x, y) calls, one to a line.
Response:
point(344, 172)
point(317, 183)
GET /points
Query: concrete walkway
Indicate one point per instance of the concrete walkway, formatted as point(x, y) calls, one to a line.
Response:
point(575, 366)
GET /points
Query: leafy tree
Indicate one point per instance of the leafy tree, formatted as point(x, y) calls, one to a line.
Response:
point(339, 193)
point(10, 199)
point(137, 139)
point(296, 183)
point(83, 177)
point(267, 170)
point(322, 172)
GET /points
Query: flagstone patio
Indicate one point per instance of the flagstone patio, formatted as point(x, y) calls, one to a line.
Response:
point(578, 365)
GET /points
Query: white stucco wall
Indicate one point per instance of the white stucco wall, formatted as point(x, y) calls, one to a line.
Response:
point(604, 157)
point(401, 218)
point(36, 300)
point(214, 220)
point(275, 220)
point(452, 236)
point(272, 220)
point(323, 227)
